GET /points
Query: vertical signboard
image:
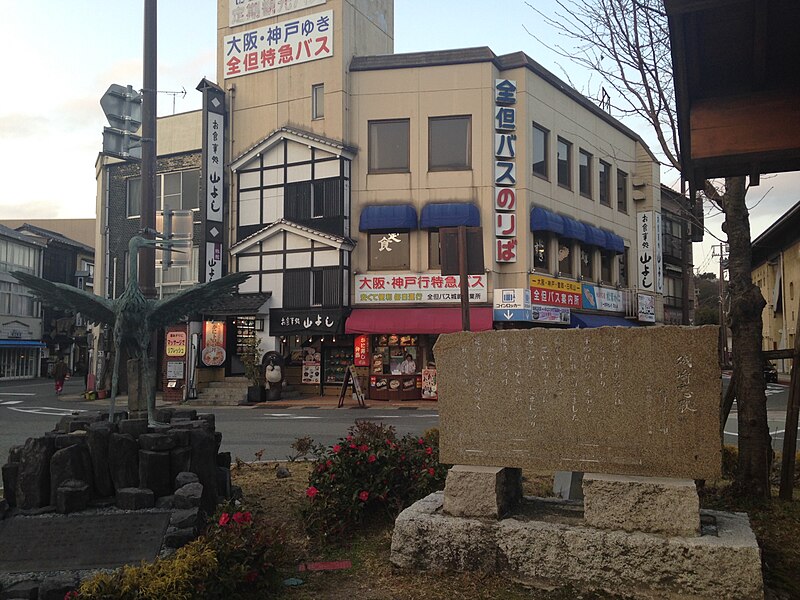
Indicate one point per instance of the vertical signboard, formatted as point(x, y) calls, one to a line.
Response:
point(212, 188)
point(213, 353)
point(505, 175)
point(659, 254)
point(646, 263)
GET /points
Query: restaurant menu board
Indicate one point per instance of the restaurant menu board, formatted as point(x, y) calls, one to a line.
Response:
point(429, 391)
point(311, 366)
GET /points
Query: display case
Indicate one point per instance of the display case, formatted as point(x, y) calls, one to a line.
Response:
point(245, 333)
point(386, 382)
point(335, 362)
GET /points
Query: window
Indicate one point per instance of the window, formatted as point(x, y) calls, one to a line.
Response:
point(604, 173)
point(16, 257)
point(174, 279)
point(317, 101)
point(388, 146)
point(606, 262)
point(564, 163)
point(565, 256)
point(587, 262)
point(317, 287)
point(389, 251)
point(434, 250)
point(622, 191)
point(585, 173)
point(540, 142)
point(15, 300)
point(449, 141)
point(541, 250)
point(304, 288)
point(134, 197)
point(623, 269)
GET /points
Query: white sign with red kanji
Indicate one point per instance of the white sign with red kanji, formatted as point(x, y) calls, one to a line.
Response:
point(408, 289)
point(247, 11)
point(280, 45)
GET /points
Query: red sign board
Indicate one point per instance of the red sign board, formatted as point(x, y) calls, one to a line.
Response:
point(361, 351)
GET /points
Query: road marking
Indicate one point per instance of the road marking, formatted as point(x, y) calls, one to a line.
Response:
point(282, 417)
point(46, 410)
point(10, 402)
point(17, 394)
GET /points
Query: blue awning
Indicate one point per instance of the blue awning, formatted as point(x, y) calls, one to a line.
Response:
point(21, 344)
point(581, 320)
point(388, 217)
point(544, 220)
point(449, 214)
point(574, 230)
point(614, 242)
point(597, 236)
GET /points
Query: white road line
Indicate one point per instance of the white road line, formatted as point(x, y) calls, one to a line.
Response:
point(288, 417)
point(17, 394)
point(9, 402)
point(46, 410)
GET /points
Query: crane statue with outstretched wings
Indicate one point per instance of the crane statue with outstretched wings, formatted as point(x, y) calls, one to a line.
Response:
point(133, 316)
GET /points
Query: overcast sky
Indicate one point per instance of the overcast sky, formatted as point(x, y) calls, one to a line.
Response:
point(59, 57)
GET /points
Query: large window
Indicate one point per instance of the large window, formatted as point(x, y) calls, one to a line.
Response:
point(317, 101)
point(587, 262)
point(564, 163)
point(565, 256)
point(389, 251)
point(179, 190)
point(434, 250)
point(585, 173)
point(317, 287)
point(540, 143)
point(606, 262)
point(541, 250)
point(16, 257)
point(304, 288)
point(173, 279)
point(449, 142)
point(623, 269)
point(15, 300)
point(388, 146)
point(622, 191)
point(604, 180)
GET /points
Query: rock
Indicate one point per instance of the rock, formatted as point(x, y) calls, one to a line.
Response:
point(28, 589)
point(166, 502)
point(33, 483)
point(210, 420)
point(4, 508)
point(10, 472)
point(224, 482)
point(135, 498)
point(490, 492)
point(184, 413)
point(236, 492)
point(73, 462)
point(164, 414)
point(56, 587)
point(123, 460)
point(134, 427)
point(180, 460)
point(181, 436)
point(157, 442)
point(185, 517)
point(224, 460)
point(204, 464)
point(184, 478)
point(282, 472)
point(154, 472)
point(176, 538)
point(14, 453)
point(189, 496)
point(71, 439)
point(98, 441)
point(217, 440)
point(72, 496)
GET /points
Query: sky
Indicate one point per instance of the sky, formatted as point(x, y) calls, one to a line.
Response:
point(59, 57)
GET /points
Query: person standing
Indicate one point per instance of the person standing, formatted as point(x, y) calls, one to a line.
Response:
point(60, 373)
point(408, 366)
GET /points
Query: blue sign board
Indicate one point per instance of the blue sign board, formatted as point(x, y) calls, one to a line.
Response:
point(512, 314)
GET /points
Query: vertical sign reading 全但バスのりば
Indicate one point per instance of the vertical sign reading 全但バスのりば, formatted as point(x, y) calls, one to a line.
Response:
point(505, 176)
point(213, 187)
point(279, 45)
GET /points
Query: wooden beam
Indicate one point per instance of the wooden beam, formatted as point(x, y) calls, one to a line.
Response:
point(679, 7)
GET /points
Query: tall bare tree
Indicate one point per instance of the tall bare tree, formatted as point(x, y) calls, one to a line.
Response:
point(626, 42)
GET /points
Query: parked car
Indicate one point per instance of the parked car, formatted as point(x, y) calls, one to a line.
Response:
point(770, 373)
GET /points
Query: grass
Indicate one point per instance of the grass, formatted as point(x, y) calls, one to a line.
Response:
point(372, 577)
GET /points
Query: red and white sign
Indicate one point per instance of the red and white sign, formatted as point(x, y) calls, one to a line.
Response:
point(505, 175)
point(401, 288)
point(213, 353)
point(361, 351)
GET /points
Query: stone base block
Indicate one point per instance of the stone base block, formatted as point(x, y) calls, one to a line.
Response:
point(568, 485)
point(481, 491)
point(646, 504)
point(642, 565)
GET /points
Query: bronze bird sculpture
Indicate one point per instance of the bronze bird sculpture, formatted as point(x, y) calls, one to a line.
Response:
point(133, 316)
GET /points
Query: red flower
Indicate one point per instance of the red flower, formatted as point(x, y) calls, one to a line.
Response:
point(363, 495)
point(241, 518)
point(372, 458)
point(428, 450)
point(251, 576)
point(363, 448)
point(336, 448)
point(421, 441)
point(349, 438)
point(311, 492)
point(352, 446)
point(431, 471)
point(402, 457)
point(224, 519)
point(329, 463)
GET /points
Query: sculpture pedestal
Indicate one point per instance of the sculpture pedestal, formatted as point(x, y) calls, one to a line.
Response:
point(137, 390)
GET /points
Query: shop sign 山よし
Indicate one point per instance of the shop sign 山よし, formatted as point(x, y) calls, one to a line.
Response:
point(555, 292)
point(402, 288)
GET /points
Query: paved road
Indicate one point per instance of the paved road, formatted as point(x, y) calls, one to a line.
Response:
point(777, 397)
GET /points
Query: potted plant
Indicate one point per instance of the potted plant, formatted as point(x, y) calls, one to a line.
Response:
point(250, 356)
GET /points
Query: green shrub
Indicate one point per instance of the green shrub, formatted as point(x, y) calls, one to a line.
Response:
point(238, 557)
point(370, 471)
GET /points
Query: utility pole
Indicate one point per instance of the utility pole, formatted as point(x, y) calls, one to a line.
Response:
point(147, 258)
point(721, 250)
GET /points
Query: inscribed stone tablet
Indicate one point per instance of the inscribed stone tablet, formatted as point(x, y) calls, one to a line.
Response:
point(630, 401)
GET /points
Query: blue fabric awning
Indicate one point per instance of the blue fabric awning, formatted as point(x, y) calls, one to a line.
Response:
point(22, 344)
point(614, 242)
point(597, 236)
point(449, 214)
point(388, 217)
point(574, 230)
point(581, 320)
point(544, 220)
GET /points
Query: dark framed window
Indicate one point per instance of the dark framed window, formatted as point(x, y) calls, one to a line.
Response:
point(587, 262)
point(317, 287)
point(434, 250)
point(623, 269)
point(565, 256)
point(134, 197)
point(449, 143)
point(304, 288)
point(564, 163)
point(318, 101)
point(622, 191)
point(179, 190)
point(606, 263)
point(541, 250)
point(540, 148)
point(604, 181)
point(585, 173)
point(389, 146)
point(389, 251)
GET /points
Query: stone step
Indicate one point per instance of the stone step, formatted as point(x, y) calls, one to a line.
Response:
point(229, 384)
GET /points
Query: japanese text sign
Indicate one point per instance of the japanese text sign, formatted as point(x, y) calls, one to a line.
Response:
point(505, 175)
point(279, 45)
point(649, 268)
point(555, 292)
point(176, 343)
point(247, 11)
point(361, 351)
point(406, 289)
